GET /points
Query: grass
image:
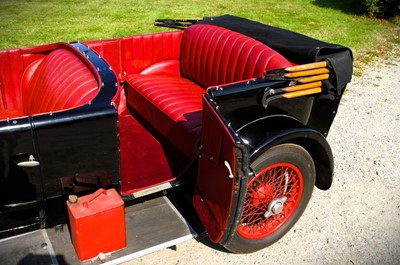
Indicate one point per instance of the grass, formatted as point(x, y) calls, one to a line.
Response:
point(33, 22)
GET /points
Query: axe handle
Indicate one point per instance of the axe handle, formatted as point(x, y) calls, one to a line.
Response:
point(308, 66)
point(313, 78)
point(307, 73)
point(302, 92)
point(302, 87)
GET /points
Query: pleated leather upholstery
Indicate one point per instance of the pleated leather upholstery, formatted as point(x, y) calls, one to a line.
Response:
point(143, 51)
point(213, 56)
point(13, 65)
point(61, 81)
point(210, 56)
point(171, 104)
point(10, 113)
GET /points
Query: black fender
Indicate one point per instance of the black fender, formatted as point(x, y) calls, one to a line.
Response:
point(264, 133)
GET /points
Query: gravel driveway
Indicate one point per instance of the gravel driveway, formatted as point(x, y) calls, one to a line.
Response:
point(357, 221)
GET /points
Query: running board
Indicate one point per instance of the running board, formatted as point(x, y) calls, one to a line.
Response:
point(150, 226)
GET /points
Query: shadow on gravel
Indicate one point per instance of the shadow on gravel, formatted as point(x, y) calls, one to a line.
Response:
point(347, 6)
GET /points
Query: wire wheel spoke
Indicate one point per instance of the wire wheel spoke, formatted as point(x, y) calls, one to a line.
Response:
point(278, 187)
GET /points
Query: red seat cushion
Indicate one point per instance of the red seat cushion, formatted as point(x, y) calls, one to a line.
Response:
point(171, 104)
point(61, 81)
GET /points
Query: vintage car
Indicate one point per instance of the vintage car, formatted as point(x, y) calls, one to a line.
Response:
point(218, 126)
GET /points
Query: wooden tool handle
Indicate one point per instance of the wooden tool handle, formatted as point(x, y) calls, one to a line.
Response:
point(307, 73)
point(308, 66)
point(300, 93)
point(313, 78)
point(302, 87)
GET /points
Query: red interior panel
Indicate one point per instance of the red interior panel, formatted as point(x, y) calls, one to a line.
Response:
point(142, 51)
point(134, 54)
point(214, 189)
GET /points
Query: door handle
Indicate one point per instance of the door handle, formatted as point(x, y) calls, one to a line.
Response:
point(30, 163)
point(231, 176)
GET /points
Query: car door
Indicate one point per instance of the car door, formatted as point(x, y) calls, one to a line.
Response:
point(222, 173)
point(79, 154)
point(21, 192)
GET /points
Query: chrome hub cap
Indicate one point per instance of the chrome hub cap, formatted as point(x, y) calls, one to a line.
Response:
point(275, 207)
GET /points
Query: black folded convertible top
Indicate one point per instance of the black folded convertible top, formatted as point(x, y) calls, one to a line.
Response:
point(296, 47)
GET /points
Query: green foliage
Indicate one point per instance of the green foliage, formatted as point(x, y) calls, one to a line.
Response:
point(382, 8)
point(372, 7)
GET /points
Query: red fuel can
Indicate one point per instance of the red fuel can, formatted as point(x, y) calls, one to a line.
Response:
point(97, 223)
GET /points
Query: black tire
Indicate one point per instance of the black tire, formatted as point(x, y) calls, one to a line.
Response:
point(276, 197)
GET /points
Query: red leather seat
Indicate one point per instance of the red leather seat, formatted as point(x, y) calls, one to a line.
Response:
point(61, 81)
point(171, 104)
point(210, 56)
point(58, 81)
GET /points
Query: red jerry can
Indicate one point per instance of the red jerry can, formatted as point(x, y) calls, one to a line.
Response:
point(97, 223)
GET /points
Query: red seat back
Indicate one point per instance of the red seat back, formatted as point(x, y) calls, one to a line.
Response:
point(212, 55)
point(61, 81)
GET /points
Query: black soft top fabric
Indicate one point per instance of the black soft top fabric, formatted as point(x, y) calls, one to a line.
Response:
point(297, 47)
